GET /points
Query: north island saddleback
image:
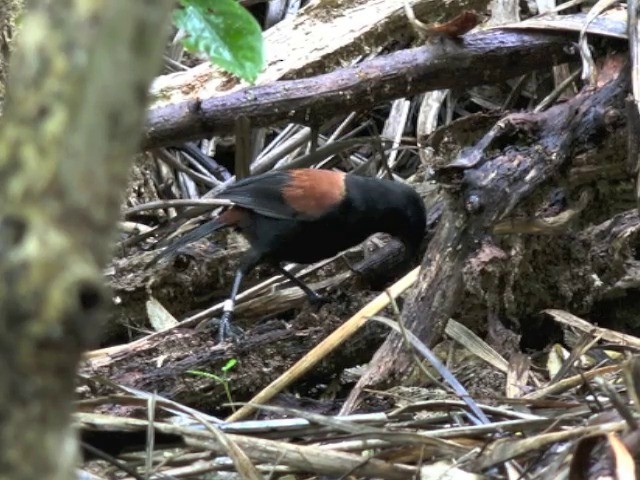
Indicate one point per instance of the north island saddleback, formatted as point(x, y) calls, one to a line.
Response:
point(307, 215)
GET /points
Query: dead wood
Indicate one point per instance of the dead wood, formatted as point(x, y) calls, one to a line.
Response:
point(199, 277)
point(480, 58)
point(541, 432)
point(486, 183)
point(324, 36)
point(508, 277)
point(162, 362)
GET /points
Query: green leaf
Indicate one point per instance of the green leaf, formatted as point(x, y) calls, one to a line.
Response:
point(226, 32)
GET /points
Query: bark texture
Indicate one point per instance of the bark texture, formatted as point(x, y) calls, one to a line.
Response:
point(514, 162)
point(9, 13)
point(476, 59)
point(72, 119)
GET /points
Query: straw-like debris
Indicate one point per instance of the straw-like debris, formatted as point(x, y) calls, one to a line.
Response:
point(496, 367)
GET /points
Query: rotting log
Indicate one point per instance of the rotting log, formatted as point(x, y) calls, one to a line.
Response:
point(485, 184)
point(72, 119)
point(475, 59)
point(161, 363)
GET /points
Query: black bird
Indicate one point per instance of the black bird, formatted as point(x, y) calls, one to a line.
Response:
point(307, 215)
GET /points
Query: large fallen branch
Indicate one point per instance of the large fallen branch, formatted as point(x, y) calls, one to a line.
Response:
point(486, 183)
point(476, 59)
point(538, 146)
point(323, 36)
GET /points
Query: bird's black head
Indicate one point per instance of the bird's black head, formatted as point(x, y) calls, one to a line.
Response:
point(410, 220)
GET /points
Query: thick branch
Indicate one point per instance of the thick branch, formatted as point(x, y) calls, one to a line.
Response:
point(323, 36)
point(480, 58)
point(486, 183)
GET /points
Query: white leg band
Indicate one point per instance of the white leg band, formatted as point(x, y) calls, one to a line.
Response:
point(228, 305)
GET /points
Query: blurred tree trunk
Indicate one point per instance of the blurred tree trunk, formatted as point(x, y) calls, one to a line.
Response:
point(9, 13)
point(76, 97)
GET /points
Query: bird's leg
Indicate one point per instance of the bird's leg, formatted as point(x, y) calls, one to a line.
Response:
point(314, 297)
point(225, 330)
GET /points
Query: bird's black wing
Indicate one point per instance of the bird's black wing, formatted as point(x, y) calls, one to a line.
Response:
point(263, 195)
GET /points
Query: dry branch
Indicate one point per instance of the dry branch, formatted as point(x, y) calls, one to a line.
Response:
point(595, 162)
point(486, 183)
point(476, 59)
point(324, 36)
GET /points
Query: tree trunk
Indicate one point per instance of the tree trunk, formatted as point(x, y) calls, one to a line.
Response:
point(72, 118)
point(10, 10)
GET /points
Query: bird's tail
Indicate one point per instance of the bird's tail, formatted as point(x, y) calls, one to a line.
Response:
point(189, 237)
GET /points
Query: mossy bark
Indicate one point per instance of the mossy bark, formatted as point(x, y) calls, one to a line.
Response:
point(76, 97)
point(10, 10)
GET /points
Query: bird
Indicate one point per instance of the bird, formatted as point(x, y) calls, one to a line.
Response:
point(306, 215)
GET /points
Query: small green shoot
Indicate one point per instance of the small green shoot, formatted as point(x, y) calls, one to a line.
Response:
point(222, 379)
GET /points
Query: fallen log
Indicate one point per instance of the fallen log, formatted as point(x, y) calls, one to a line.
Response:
point(475, 59)
point(514, 162)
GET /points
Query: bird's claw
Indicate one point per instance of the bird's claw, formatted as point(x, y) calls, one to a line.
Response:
point(226, 329)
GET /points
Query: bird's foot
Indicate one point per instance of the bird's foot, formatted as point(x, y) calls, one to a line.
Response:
point(226, 329)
